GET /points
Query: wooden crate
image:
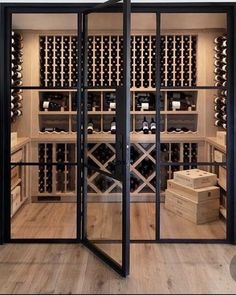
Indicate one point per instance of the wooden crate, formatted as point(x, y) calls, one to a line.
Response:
point(195, 195)
point(197, 213)
point(195, 178)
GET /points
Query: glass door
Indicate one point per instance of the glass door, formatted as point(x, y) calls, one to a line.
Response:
point(106, 106)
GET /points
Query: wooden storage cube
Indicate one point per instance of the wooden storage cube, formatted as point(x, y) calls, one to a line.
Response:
point(195, 178)
point(184, 123)
point(196, 195)
point(54, 101)
point(139, 121)
point(199, 213)
point(182, 101)
point(146, 101)
point(57, 123)
point(95, 119)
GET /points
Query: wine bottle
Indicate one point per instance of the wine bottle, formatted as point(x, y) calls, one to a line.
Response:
point(17, 113)
point(145, 126)
point(218, 115)
point(51, 106)
point(113, 126)
point(153, 126)
point(90, 127)
point(52, 129)
point(219, 123)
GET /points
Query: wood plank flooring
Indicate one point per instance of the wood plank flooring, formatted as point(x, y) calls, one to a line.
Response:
point(58, 220)
point(72, 269)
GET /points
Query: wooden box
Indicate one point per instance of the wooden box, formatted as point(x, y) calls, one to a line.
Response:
point(17, 156)
point(197, 213)
point(15, 175)
point(15, 199)
point(222, 178)
point(195, 178)
point(196, 195)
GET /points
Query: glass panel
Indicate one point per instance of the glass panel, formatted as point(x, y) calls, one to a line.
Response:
point(104, 192)
point(143, 127)
point(43, 201)
point(104, 213)
point(194, 49)
point(196, 130)
point(44, 50)
point(195, 202)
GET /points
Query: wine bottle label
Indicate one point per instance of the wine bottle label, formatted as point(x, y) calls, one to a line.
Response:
point(145, 125)
point(176, 105)
point(113, 126)
point(112, 105)
point(90, 126)
point(46, 104)
point(153, 126)
point(145, 106)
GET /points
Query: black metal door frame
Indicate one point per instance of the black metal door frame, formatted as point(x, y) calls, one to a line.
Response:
point(158, 8)
point(122, 137)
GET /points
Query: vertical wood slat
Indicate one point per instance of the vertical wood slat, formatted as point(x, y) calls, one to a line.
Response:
point(70, 61)
point(53, 62)
point(190, 60)
point(46, 61)
point(174, 61)
point(182, 60)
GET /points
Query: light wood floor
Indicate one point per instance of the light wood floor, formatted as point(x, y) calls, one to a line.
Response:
point(70, 269)
point(58, 220)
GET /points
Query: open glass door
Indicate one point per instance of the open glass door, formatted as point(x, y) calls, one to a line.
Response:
point(106, 106)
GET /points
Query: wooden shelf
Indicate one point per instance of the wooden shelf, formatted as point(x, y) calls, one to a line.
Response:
point(179, 112)
point(108, 137)
point(60, 113)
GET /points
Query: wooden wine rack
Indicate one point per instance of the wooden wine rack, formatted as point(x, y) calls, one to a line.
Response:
point(102, 116)
point(63, 183)
point(16, 61)
point(105, 61)
point(221, 93)
point(105, 69)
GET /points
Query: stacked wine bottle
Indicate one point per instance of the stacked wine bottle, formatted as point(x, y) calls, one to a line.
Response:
point(221, 81)
point(58, 178)
point(16, 75)
point(58, 61)
point(45, 170)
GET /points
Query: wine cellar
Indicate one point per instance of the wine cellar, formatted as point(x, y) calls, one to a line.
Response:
point(189, 192)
